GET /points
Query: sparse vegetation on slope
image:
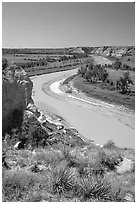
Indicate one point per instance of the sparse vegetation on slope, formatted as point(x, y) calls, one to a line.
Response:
point(73, 173)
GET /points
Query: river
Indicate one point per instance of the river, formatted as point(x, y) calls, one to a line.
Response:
point(96, 120)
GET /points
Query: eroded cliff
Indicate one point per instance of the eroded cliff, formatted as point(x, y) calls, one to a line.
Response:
point(109, 51)
point(16, 95)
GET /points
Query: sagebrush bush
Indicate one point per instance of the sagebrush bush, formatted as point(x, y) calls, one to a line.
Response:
point(110, 158)
point(74, 157)
point(95, 167)
point(49, 157)
point(110, 145)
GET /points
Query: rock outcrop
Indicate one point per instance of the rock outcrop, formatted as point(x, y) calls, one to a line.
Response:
point(16, 95)
point(110, 51)
point(76, 50)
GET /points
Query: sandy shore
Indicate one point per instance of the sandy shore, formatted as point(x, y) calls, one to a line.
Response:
point(126, 114)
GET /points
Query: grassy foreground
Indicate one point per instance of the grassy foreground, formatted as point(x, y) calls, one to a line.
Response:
point(61, 167)
point(69, 174)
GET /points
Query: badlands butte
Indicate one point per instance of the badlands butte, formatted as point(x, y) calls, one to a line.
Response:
point(68, 124)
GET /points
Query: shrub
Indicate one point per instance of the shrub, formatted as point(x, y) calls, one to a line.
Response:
point(110, 145)
point(109, 158)
point(94, 188)
point(62, 180)
point(82, 71)
point(124, 82)
point(75, 158)
point(96, 167)
point(117, 65)
point(33, 135)
point(49, 157)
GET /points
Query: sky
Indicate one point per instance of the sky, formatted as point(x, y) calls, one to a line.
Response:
point(67, 24)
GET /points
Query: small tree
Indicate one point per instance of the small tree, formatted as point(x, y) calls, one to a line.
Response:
point(89, 75)
point(117, 64)
point(82, 70)
point(102, 73)
point(105, 75)
point(124, 82)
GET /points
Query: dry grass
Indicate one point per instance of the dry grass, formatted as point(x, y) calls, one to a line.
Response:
point(67, 173)
point(17, 184)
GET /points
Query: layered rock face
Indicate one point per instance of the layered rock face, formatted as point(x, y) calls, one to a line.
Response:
point(111, 51)
point(16, 95)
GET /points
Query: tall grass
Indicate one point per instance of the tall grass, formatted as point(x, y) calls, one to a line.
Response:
point(17, 184)
point(62, 180)
point(93, 188)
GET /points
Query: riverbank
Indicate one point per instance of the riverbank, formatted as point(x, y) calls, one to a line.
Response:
point(78, 83)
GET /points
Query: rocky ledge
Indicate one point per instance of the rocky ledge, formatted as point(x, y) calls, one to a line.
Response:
point(16, 95)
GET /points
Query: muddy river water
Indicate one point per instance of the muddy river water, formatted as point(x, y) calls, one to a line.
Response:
point(93, 119)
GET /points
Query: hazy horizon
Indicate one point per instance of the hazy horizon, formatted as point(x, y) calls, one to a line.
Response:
point(70, 24)
point(67, 47)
